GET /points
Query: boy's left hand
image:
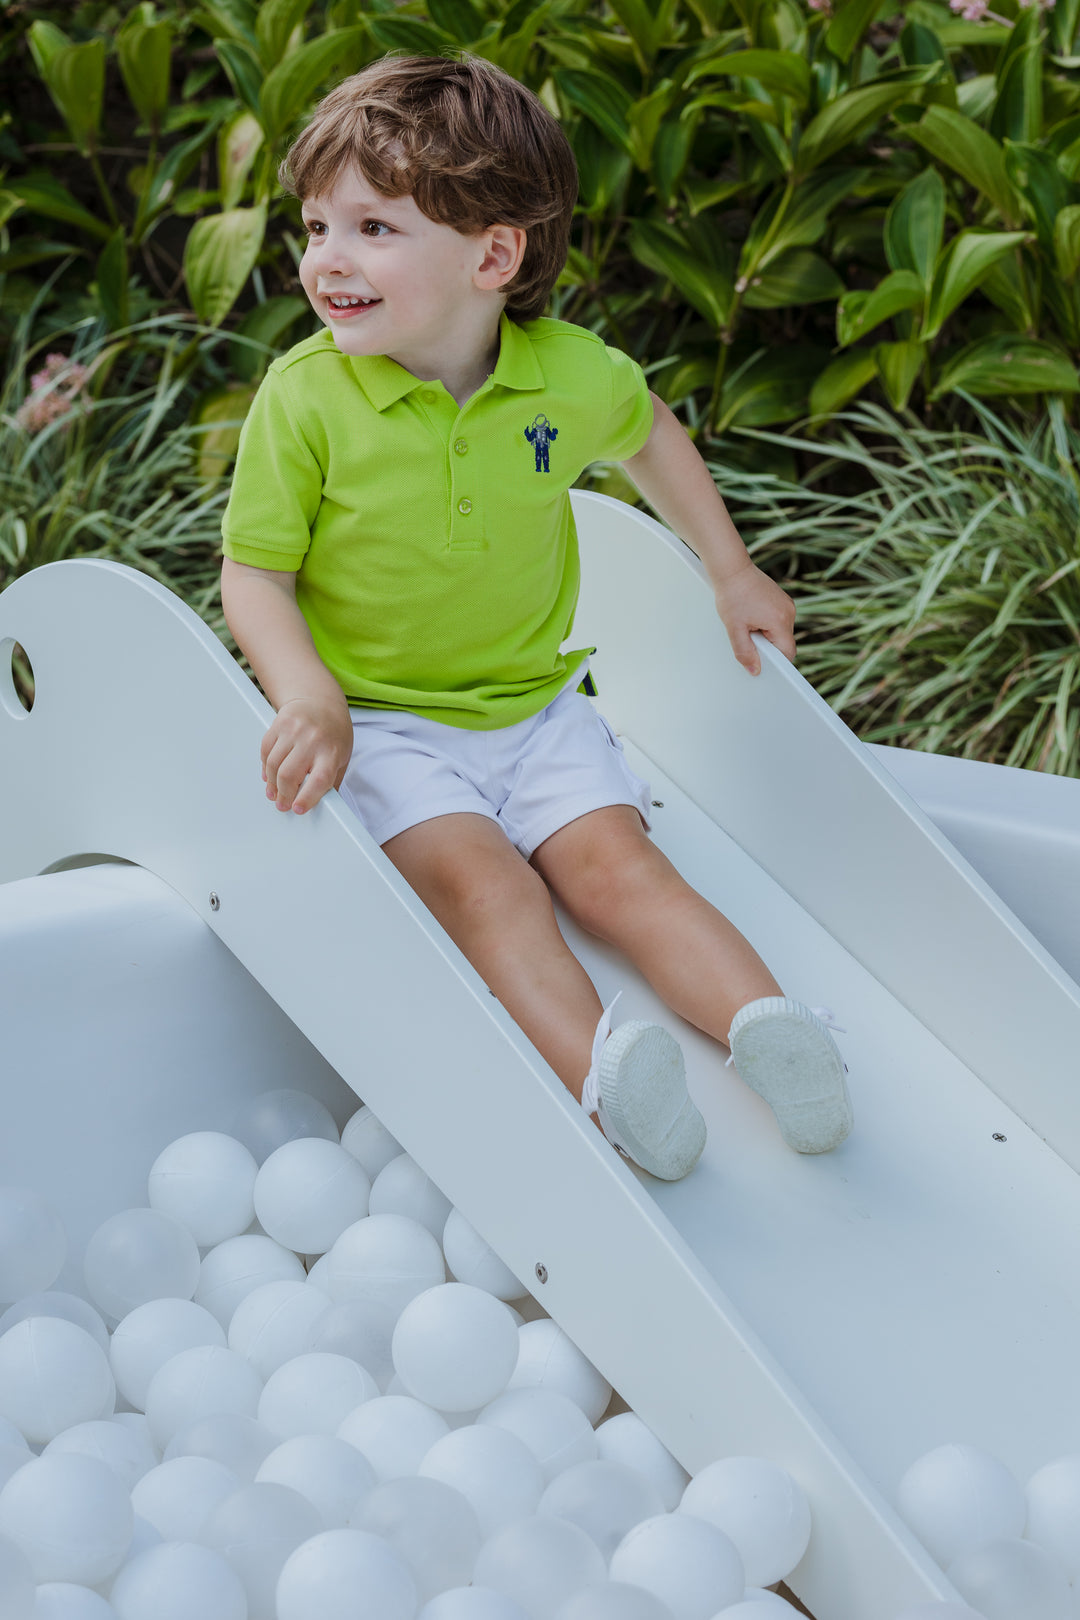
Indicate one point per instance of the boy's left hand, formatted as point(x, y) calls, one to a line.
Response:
point(748, 601)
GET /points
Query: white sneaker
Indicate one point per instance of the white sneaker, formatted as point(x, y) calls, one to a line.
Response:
point(639, 1082)
point(784, 1051)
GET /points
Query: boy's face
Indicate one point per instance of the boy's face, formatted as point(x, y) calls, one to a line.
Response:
point(384, 277)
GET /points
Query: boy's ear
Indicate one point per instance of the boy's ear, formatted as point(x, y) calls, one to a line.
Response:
point(504, 249)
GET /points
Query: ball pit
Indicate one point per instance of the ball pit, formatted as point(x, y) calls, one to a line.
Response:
point(384, 1445)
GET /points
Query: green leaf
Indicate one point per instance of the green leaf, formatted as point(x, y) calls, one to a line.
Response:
point(603, 172)
point(1017, 113)
point(796, 277)
point(41, 194)
point(1035, 173)
point(805, 216)
point(1069, 160)
point(112, 280)
point(915, 225)
point(919, 44)
point(244, 70)
point(1064, 20)
point(75, 78)
point(603, 101)
point(962, 146)
point(841, 380)
point(774, 386)
point(1007, 364)
point(238, 144)
point(289, 88)
point(781, 72)
point(859, 312)
point(671, 153)
point(850, 21)
point(1009, 290)
point(645, 120)
point(962, 266)
point(46, 42)
point(219, 255)
point(458, 18)
point(275, 24)
point(266, 324)
point(665, 250)
point(227, 19)
point(1067, 242)
point(145, 56)
point(409, 34)
point(646, 23)
point(899, 365)
point(853, 115)
point(221, 413)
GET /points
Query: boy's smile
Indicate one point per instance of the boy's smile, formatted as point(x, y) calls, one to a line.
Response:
point(388, 280)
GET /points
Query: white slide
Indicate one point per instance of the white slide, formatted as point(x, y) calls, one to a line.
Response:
point(841, 1314)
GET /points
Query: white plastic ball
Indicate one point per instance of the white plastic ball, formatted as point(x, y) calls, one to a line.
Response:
point(206, 1180)
point(313, 1393)
point(493, 1469)
point(384, 1260)
point(12, 1458)
point(957, 1497)
point(454, 1347)
point(689, 1565)
point(52, 1374)
point(539, 1562)
point(762, 1509)
point(16, 1582)
point(626, 1439)
point(240, 1443)
point(200, 1383)
point(144, 1536)
point(267, 1122)
point(402, 1188)
point(316, 1273)
point(549, 1359)
point(33, 1243)
point(256, 1529)
point(1011, 1579)
point(350, 1328)
point(308, 1191)
point(555, 1430)
point(1053, 1511)
point(179, 1581)
point(127, 1451)
point(430, 1525)
point(151, 1335)
point(330, 1473)
point(473, 1261)
point(346, 1575)
point(61, 1600)
point(178, 1497)
point(759, 1607)
point(240, 1265)
point(614, 1600)
point(604, 1499)
point(939, 1611)
point(472, 1603)
point(70, 1515)
point(275, 1322)
point(137, 1255)
point(369, 1142)
point(12, 1435)
point(394, 1432)
point(54, 1302)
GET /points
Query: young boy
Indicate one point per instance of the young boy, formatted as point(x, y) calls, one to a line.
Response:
point(401, 571)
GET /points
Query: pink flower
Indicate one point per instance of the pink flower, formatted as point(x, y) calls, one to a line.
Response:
point(54, 391)
point(970, 10)
point(821, 5)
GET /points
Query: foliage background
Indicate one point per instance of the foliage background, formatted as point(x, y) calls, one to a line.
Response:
point(864, 218)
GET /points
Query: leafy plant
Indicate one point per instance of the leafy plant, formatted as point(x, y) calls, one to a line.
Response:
point(940, 591)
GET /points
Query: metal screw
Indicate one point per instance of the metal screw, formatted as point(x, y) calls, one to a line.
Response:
point(215, 903)
point(999, 1138)
point(541, 1271)
point(658, 804)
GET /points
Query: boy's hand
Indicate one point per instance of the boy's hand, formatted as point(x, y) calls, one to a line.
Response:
point(306, 752)
point(747, 601)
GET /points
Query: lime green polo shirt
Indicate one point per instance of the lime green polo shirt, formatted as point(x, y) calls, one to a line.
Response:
point(434, 544)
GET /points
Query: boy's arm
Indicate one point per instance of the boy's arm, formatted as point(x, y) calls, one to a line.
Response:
point(675, 481)
point(308, 746)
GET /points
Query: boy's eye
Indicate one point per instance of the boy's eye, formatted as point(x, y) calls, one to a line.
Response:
point(313, 227)
point(374, 227)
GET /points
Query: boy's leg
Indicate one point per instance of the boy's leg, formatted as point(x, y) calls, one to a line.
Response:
point(618, 885)
point(498, 911)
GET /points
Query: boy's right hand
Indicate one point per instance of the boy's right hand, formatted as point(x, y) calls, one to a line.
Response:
point(306, 752)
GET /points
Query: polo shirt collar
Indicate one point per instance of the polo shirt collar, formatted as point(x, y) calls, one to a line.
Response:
point(385, 382)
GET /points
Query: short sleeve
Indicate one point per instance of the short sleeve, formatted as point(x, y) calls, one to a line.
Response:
point(277, 486)
point(630, 417)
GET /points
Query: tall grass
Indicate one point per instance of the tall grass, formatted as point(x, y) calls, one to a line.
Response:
point(938, 580)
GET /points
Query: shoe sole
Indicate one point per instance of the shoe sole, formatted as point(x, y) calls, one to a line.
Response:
point(645, 1102)
point(789, 1058)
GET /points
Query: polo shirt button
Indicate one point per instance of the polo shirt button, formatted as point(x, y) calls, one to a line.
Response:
point(429, 396)
point(461, 446)
point(464, 505)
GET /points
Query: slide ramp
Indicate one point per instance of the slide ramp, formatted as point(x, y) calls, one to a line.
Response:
point(839, 1314)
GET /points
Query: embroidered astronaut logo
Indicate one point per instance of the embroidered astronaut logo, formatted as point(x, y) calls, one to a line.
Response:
point(540, 434)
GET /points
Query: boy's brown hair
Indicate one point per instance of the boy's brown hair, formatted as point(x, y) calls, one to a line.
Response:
point(471, 145)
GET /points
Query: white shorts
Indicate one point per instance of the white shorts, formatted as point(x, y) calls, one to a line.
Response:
point(532, 778)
